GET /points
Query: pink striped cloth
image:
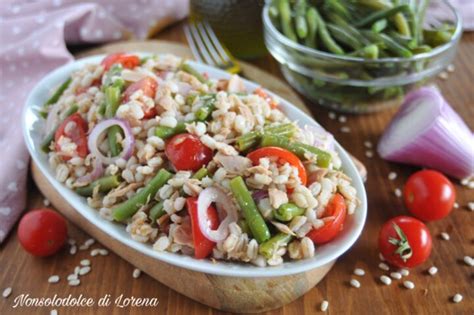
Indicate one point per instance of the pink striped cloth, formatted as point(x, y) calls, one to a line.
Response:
point(33, 37)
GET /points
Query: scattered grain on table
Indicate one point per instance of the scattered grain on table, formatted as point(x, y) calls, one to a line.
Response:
point(53, 279)
point(6, 293)
point(355, 283)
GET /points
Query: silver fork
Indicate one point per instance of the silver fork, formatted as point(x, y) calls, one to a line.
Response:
point(207, 48)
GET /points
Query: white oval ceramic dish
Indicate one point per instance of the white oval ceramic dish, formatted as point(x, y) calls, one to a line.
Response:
point(33, 126)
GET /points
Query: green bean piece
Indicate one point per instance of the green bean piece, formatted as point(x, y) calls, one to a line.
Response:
point(269, 248)
point(105, 184)
point(343, 37)
point(253, 217)
point(205, 111)
point(285, 19)
point(273, 13)
point(251, 139)
point(300, 19)
point(157, 211)
point(189, 69)
point(382, 14)
point(349, 29)
point(406, 41)
point(402, 24)
point(113, 75)
point(376, 4)
point(112, 102)
point(421, 49)
point(326, 38)
point(50, 136)
point(390, 44)
point(312, 22)
point(287, 211)
point(201, 173)
point(436, 38)
point(323, 158)
point(58, 93)
point(101, 109)
point(130, 207)
point(379, 25)
point(370, 52)
point(167, 132)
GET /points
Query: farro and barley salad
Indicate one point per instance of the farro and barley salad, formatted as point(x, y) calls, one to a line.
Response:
point(195, 165)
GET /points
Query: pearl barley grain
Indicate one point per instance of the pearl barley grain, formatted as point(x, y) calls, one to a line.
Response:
point(468, 261)
point(385, 280)
point(384, 266)
point(409, 285)
point(53, 312)
point(355, 283)
point(136, 273)
point(53, 279)
point(6, 293)
point(445, 236)
point(359, 272)
point(396, 275)
point(457, 298)
point(433, 270)
point(392, 176)
point(404, 272)
point(324, 306)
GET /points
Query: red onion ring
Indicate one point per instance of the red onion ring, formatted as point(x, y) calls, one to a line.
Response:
point(97, 134)
point(224, 204)
point(97, 171)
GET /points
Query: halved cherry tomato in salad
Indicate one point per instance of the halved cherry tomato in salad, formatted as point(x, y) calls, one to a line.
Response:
point(334, 216)
point(77, 134)
point(148, 86)
point(429, 195)
point(202, 246)
point(405, 242)
point(261, 92)
point(42, 232)
point(283, 156)
point(187, 153)
point(127, 61)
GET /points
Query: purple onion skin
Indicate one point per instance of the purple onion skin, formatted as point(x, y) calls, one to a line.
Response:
point(446, 145)
point(259, 195)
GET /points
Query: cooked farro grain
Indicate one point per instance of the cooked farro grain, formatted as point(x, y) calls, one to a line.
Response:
point(223, 118)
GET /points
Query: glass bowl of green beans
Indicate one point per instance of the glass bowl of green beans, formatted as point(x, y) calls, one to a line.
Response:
point(360, 56)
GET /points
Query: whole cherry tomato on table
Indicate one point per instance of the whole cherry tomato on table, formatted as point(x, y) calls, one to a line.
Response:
point(42, 232)
point(334, 216)
point(405, 242)
point(429, 195)
point(78, 135)
point(187, 153)
point(127, 61)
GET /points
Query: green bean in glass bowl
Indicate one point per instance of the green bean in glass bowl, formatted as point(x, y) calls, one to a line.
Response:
point(360, 56)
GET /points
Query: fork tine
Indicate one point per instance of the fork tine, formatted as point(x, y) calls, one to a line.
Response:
point(224, 55)
point(192, 44)
point(200, 45)
point(209, 45)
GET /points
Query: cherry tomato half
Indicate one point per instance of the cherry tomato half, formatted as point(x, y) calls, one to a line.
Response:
point(187, 153)
point(42, 232)
point(148, 86)
point(429, 195)
point(405, 242)
point(283, 156)
point(78, 135)
point(202, 246)
point(333, 217)
point(127, 61)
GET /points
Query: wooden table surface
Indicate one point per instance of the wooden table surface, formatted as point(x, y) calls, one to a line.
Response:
point(432, 295)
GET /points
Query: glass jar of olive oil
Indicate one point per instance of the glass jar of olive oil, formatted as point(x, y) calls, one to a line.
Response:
point(237, 23)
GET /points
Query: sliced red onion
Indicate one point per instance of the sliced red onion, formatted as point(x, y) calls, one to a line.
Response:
point(320, 137)
point(224, 204)
point(98, 134)
point(427, 132)
point(259, 195)
point(97, 171)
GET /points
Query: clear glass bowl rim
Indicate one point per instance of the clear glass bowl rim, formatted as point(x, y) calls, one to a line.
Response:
point(268, 25)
